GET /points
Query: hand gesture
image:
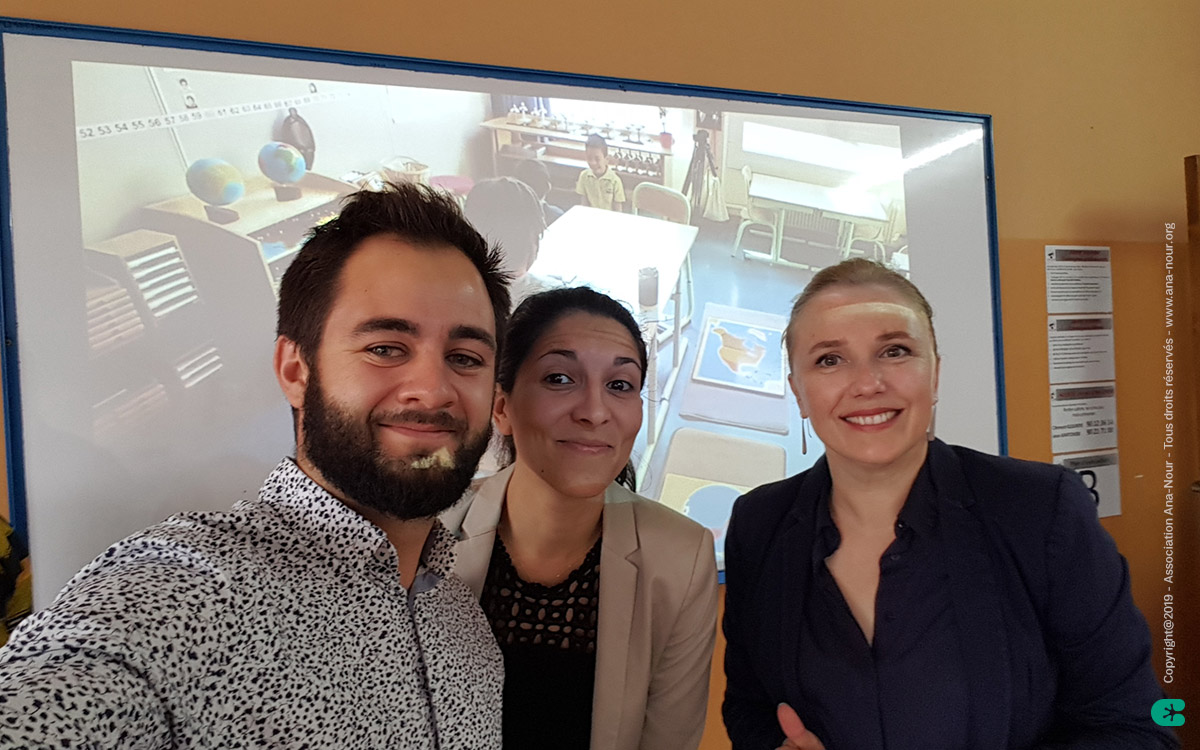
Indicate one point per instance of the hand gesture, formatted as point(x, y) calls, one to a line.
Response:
point(798, 737)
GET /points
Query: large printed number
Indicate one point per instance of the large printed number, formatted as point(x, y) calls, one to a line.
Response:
point(1089, 481)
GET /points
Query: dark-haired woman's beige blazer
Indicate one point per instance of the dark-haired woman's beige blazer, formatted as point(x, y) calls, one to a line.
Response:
point(657, 620)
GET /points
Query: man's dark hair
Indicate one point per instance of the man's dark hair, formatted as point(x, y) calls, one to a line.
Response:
point(597, 142)
point(415, 213)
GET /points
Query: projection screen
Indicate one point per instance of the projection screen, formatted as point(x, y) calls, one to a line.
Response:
point(141, 303)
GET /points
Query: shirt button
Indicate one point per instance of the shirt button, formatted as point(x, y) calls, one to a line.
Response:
point(894, 557)
point(901, 526)
point(889, 616)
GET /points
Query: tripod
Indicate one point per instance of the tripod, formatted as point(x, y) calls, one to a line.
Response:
point(695, 183)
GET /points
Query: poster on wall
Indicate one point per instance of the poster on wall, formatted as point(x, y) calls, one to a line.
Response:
point(1101, 475)
point(1081, 348)
point(1078, 279)
point(1083, 415)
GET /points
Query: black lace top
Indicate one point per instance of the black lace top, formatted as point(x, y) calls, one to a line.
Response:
point(548, 637)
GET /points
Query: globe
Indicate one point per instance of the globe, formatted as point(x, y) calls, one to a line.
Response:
point(216, 182)
point(710, 505)
point(281, 162)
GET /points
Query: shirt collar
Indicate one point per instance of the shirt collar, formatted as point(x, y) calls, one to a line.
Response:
point(322, 521)
point(826, 536)
point(919, 513)
point(920, 509)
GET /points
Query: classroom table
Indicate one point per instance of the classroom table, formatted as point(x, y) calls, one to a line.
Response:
point(847, 205)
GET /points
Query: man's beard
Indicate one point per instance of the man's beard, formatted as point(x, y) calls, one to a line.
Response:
point(346, 451)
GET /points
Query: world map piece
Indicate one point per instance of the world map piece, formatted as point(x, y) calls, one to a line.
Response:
point(738, 352)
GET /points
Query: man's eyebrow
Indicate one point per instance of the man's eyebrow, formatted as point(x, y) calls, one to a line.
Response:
point(394, 325)
point(474, 333)
point(401, 325)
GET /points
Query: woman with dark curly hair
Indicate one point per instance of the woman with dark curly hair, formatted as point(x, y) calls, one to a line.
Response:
point(603, 602)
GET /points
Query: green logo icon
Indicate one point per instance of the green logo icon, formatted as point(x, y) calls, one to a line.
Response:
point(1168, 712)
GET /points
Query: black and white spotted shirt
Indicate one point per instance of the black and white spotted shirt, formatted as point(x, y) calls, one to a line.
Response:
point(281, 623)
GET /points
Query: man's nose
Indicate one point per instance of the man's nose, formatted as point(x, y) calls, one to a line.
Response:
point(425, 382)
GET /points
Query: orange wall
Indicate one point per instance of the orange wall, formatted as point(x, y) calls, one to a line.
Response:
point(1093, 103)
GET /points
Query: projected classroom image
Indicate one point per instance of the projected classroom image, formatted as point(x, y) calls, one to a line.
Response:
point(196, 189)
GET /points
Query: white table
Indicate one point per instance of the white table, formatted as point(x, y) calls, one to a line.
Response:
point(847, 205)
point(607, 251)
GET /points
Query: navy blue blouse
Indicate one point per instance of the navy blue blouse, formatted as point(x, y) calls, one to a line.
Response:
point(881, 694)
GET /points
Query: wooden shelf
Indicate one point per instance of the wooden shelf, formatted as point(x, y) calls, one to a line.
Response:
point(650, 145)
point(564, 153)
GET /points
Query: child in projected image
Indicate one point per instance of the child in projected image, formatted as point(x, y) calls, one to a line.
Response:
point(599, 185)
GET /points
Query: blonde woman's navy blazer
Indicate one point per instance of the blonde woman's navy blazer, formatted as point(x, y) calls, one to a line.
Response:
point(1055, 652)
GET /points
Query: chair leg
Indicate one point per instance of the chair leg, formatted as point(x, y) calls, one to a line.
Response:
point(690, 283)
point(738, 252)
point(777, 234)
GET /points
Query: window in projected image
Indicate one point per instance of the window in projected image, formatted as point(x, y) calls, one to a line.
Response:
point(811, 146)
point(197, 185)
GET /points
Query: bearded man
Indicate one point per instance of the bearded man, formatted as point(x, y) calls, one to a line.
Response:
point(323, 613)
